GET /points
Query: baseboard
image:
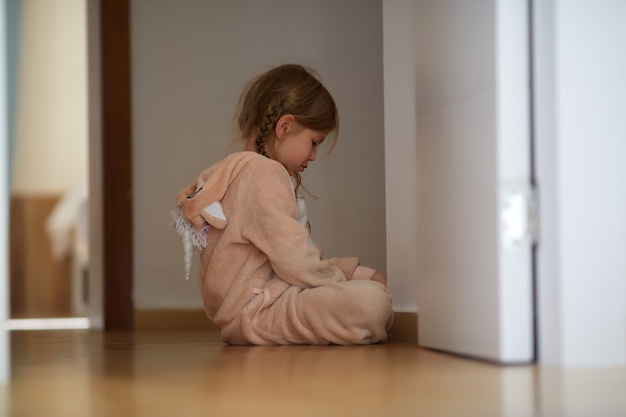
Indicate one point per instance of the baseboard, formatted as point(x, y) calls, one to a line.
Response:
point(404, 329)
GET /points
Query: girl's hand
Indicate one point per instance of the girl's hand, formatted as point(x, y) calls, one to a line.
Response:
point(365, 273)
point(380, 277)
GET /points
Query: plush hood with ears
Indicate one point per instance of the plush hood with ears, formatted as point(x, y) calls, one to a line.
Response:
point(199, 202)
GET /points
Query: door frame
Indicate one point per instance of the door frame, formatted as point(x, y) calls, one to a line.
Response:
point(110, 165)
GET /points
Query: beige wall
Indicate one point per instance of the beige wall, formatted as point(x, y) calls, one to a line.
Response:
point(51, 113)
point(190, 60)
point(49, 158)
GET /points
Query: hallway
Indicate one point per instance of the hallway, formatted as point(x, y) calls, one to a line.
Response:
point(90, 373)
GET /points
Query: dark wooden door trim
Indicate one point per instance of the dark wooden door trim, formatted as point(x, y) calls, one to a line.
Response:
point(116, 165)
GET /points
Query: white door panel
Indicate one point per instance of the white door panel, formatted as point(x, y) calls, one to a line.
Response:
point(475, 293)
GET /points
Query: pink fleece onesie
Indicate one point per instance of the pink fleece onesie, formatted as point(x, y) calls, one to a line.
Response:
point(261, 280)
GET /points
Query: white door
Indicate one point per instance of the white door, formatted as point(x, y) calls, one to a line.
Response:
point(475, 291)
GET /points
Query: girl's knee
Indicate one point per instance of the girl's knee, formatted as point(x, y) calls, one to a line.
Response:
point(372, 303)
point(352, 312)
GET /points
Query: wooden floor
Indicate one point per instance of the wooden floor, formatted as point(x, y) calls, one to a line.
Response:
point(88, 373)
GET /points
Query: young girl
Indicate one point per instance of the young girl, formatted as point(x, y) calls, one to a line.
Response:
point(261, 278)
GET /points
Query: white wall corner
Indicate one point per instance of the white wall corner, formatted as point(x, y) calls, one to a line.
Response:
point(580, 94)
point(400, 152)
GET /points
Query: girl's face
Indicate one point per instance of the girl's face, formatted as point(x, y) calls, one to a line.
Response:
point(297, 147)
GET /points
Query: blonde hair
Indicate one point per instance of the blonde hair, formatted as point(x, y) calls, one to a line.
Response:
point(286, 89)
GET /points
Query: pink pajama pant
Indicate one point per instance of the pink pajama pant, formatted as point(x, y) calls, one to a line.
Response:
point(345, 313)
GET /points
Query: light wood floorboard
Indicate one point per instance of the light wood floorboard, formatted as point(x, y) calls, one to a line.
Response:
point(90, 373)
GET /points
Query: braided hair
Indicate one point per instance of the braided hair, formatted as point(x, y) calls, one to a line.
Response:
point(286, 89)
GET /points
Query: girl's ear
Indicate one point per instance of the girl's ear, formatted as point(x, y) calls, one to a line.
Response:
point(284, 123)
